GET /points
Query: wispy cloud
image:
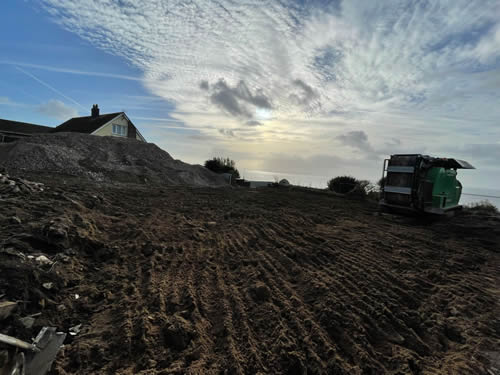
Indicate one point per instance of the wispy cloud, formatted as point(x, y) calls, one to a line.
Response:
point(71, 71)
point(50, 87)
point(388, 69)
point(57, 109)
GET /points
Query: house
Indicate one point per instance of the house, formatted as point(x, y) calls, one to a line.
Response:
point(109, 124)
point(113, 124)
point(13, 130)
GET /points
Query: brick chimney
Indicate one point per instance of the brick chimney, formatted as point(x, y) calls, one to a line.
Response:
point(95, 110)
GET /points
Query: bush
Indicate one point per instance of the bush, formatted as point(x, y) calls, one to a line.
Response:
point(381, 183)
point(482, 207)
point(343, 184)
point(222, 165)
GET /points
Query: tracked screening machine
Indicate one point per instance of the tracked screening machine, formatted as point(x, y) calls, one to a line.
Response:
point(422, 183)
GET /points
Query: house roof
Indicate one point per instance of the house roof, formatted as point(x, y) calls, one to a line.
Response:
point(87, 124)
point(23, 127)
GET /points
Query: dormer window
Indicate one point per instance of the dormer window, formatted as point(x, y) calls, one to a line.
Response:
point(119, 130)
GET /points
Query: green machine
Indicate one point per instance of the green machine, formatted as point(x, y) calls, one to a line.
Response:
point(422, 183)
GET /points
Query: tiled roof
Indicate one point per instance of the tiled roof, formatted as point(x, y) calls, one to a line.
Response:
point(23, 127)
point(87, 124)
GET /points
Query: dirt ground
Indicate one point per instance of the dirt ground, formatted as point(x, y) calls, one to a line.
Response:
point(236, 281)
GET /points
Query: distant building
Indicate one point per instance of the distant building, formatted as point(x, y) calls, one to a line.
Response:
point(13, 130)
point(110, 124)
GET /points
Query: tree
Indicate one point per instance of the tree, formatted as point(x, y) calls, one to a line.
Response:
point(342, 184)
point(222, 165)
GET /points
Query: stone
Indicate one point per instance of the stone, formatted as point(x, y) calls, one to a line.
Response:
point(15, 220)
point(6, 308)
point(48, 286)
point(43, 260)
point(27, 321)
point(61, 307)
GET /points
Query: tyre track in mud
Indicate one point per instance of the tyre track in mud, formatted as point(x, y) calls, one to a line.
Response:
point(199, 281)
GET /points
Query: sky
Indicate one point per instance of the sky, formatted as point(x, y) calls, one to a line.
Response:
point(302, 89)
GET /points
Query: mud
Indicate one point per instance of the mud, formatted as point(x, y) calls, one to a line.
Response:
point(209, 281)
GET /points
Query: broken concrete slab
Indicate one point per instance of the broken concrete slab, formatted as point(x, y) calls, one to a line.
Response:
point(48, 342)
point(6, 308)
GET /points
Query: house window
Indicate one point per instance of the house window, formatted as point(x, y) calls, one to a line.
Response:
point(119, 130)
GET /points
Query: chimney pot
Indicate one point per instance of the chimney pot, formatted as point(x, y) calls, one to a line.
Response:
point(95, 110)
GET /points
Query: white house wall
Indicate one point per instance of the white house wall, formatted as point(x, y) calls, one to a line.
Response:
point(107, 129)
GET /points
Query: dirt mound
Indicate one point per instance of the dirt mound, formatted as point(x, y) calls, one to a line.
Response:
point(102, 158)
point(210, 281)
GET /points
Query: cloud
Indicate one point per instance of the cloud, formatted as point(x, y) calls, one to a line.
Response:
point(306, 94)
point(227, 132)
point(356, 139)
point(236, 100)
point(71, 71)
point(57, 109)
point(390, 69)
point(253, 123)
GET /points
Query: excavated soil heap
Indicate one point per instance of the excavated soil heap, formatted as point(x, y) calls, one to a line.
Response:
point(102, 158)
point(210, 281)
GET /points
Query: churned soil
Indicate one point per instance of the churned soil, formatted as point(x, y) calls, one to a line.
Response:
point(274, 281)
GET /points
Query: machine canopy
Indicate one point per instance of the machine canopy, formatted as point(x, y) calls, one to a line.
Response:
point(450, 163)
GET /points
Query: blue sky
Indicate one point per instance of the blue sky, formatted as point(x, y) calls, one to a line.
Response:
point(310, 89)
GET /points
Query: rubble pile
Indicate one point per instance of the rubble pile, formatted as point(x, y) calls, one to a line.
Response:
point(18, 185)
point(102, 159)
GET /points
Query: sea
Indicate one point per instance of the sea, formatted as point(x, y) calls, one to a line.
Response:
point(470, 195)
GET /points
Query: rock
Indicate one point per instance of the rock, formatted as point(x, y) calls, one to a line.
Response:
point(27, 321)
point(43, 260)
point(70, 252)
point(260, 292)
point(56, 230)
point(61, 307)
point(15, 220)
point(147, 248)
point(48, 286)
point(63, 258)
point(178, 333)
point(6, 309)
point(73, 331)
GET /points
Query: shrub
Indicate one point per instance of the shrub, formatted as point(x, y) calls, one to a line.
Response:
point(342, 184)
point(381, 183)
point(482, 207)
point(222, 165)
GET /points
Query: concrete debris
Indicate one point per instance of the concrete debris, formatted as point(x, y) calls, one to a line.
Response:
point(73, 331)
point(27, 321)
point(48, 342)
point(6, 308)
point(102, 159)
point(43, 260)
point(17, 185)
